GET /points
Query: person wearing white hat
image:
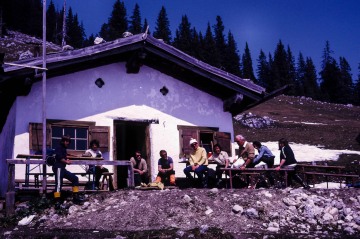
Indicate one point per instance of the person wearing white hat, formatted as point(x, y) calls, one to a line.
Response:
point(198, 162)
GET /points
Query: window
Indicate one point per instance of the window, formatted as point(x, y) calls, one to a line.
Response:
point(81, 133)
point(206, 136)
point(79, 137)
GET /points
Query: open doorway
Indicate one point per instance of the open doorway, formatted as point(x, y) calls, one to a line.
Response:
point(130, 136)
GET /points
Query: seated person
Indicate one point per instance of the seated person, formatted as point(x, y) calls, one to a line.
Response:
point(222, 160)
point(140, 169)
point(166, 169)
point(98, 170)
point(198, 163)
point(266, 156)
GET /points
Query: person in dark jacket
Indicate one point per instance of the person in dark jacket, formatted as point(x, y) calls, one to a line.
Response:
point(61, 160)
point(287, 160)
point(166, 168)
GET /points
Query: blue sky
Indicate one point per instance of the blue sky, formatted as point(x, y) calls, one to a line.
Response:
point(303, 25)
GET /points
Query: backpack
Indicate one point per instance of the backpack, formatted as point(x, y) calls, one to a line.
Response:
point(50, 156)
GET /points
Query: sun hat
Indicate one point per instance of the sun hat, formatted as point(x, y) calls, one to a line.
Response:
point(192, 141)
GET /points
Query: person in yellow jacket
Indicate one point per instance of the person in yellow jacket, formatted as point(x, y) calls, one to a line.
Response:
point(166, 169)
point(198, 162)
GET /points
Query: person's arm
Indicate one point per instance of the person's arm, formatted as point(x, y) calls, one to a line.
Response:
point(203, 157)
point(226, 158)
point(259, 156)
point(144, 166)
point(132, 160)
point(282, 161)
point(61, 155)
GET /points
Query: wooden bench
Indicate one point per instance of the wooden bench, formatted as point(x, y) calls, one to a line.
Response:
point(353, 177)
point(255, 172)
point(37, 175)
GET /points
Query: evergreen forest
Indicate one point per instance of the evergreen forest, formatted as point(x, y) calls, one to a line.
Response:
point(334, 83)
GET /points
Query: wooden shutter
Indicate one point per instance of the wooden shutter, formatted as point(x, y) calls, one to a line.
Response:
point(185, 136)
point(224, 139)
point(101, 133)
point(36, 136)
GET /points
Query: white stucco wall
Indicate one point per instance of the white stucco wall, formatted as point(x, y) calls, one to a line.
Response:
point(133, 96)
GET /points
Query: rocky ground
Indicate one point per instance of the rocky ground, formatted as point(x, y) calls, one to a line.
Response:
point(200, 213)
point(220, 213)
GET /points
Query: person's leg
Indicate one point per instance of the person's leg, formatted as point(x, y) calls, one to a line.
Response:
point(58, 186)
point(158, 178)
point(137, 179)
point(144, 178)
point(172, 178)
point(75, 186)
point(98, 173)
point(200, 171)
point(219, 172)
point(187, 172)
point(299, 180)
point(270, 164)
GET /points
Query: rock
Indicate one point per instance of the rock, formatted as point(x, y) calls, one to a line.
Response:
point(204, 229)
point(73, 209)
point(237, 209)
point(339, 205)
point(328, 217)
point(208, 211)
point(289, 202)
point(349, 231)
point(26, 220)
point(252, 213)
point(187, 198)
point(273, 229)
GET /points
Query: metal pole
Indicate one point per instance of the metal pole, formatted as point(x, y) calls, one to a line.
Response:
point(44, 97)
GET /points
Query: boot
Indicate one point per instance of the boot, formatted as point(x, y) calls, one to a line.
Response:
point(158, 179)
point(299, 180)
point(172, 180)
point(77, 199)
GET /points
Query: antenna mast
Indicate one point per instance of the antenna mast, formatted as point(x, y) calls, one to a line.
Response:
point(63, 42)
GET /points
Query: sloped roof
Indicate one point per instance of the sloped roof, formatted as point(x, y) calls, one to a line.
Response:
point(136, 50)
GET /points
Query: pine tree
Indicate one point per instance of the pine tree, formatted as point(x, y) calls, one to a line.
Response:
point(311, 87)
point(346, 87)
point(183, 37)
point(162, 28)
point(263, 70)
point(300, 81)
point(117, 23)
point(357, 89)
point(330, 75)
point(145, 26)
point(247, 71)
point(291, 73)
point(279, 68)
point(196, 44)
point(210, 53)
point(51, 24)
point(232, 59)
point(135, 23)
point(220, 41)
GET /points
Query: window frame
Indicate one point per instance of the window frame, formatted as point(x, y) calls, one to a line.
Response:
point(188, 132)
point(102, 133)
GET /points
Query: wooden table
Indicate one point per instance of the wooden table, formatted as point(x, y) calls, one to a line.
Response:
point(28, 157)
point(325, 171)
point(37, 159)
point(252, 171)
point(304, 167)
